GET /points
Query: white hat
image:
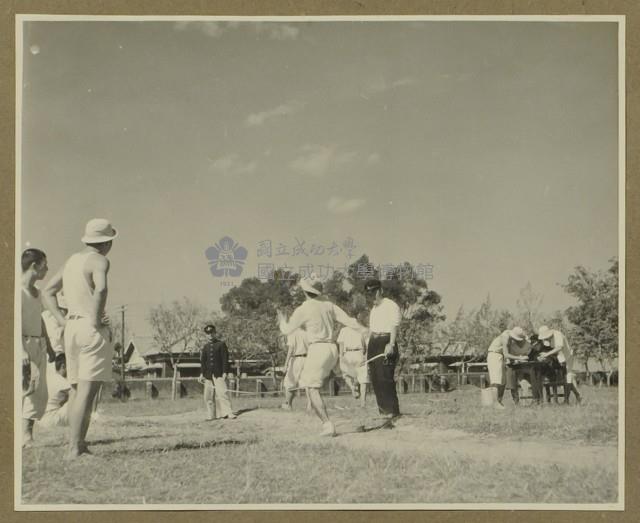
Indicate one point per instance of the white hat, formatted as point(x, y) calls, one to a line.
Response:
point(544, 332)
point(311, 285)
point(98, 230)
point(517, 333)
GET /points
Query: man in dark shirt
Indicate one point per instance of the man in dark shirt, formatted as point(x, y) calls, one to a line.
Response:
point(214, 367)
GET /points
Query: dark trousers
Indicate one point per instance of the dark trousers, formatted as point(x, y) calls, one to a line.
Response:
point(381, 373)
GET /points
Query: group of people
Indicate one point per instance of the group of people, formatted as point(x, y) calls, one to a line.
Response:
point(66, 338)
point(366, 354)
point(549, 348)
point(67, 350)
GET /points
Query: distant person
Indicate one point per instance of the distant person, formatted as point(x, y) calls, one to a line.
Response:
point(57, 411)
point(551, 369)
point(57, 385)
point(353, 353)
point(505, 348)
point(318, 317)
point(87, 336)
point(384, 324)
point(34, 343)
point(297, 348)
point(559, 345)
point(214, 368)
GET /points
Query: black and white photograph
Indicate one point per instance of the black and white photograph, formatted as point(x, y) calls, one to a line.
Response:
point(368, 262)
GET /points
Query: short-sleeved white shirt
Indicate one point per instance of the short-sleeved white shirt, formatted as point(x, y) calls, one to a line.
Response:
point(351, 338)
point(318, 317)
point(297, 341)
point(385, 316)
point(560, 340)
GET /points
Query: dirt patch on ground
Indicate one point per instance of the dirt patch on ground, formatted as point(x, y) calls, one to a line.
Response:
point(410, 435)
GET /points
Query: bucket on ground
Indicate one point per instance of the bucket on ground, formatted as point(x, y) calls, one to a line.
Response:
point(488, 396)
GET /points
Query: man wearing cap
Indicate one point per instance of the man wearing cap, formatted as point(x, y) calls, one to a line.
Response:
point(318, 317)
point(87, 336)
point(214, 367)
point(508, 346)
point(384, 322)
point(558, 343)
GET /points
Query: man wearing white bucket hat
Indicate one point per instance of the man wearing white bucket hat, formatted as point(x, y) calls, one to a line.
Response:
point(87, 336)
point(318, 317)
point(559, 345)
point(510, 345)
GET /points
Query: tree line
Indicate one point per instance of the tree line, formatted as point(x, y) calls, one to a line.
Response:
point(247, 320)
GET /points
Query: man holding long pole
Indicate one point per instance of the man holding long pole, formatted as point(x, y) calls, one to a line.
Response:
point(384, 321)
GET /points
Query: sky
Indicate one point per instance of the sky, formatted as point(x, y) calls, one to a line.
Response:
point(486, 150)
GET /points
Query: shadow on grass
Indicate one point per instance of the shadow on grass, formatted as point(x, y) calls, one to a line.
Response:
point(243, 411)
point(180, 445)
point(387, 425)
point(108, 441)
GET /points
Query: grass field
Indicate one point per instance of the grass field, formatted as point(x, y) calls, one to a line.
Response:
point(445, 449)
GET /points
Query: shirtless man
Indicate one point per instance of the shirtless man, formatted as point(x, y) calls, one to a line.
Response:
point(87, 337)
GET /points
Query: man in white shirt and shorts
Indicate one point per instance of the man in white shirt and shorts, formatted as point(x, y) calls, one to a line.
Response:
point(318, 317)
point(353, 349)
point(559, 345)
point(87, 336)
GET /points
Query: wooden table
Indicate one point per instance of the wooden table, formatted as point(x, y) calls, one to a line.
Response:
point(533, 370)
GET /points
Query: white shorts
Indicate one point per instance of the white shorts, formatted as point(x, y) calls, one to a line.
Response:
point(495, 363)
point(321, 359)
point(292, 377)
point(351, 366)
point(34, 404)
point(55, 417)
point(571, 375)
point(88, 350)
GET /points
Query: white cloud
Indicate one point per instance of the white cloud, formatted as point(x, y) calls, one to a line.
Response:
point(277, 31)
point(211, 29)
point(257, 119)
point(380, 85)
point(337, 205)
point(317, 160)
point(373, 158)
point(232, 165)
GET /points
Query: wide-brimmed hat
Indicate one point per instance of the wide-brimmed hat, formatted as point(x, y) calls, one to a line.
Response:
point(99, 230)
point(517, 333)
point(311, 285)
point(209, 329)
point(544, 332)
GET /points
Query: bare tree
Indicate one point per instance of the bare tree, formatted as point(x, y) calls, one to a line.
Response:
point(177, 329)
point(529, 303)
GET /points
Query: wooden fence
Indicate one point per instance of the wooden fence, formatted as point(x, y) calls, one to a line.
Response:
point(265, 386)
